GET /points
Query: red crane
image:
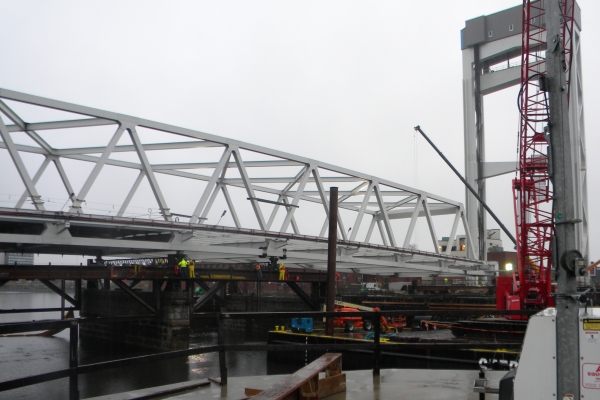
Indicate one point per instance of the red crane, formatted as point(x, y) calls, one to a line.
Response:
point(531, 188)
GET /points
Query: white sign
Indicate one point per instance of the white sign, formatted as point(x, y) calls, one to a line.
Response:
point(592, 337)
point(590, 376)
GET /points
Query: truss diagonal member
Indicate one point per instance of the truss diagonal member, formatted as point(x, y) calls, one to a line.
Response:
point(294, 224)
point(210, 186)
point(63, 178)
point(124, 287)
point(212, 199)
point(325, 203)
point(282, 195)
point(229, 202)
point(382, 233)
point(131, 193)
point(249, 189)
point(413, 223)
point(206, 288)
point(353, 192)
point(302, 294)
point(210, 293)
point(280, 199)
point(76, 205)
point(295, 201)
point(452, 236)
point(139, 148)
point(16, 157)
point(58, 291)
point(24, 127)
point(402, 202)
point(361, 211)
point(470, 247)
point(384, 214)
point(35, 180)
point(371, 227)
point(431, 226)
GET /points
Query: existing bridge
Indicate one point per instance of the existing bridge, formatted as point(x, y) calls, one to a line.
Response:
point(125, 186)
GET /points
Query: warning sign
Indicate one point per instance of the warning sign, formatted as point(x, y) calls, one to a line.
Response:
point(590, 376)
point(591, 324)
point(592, 336)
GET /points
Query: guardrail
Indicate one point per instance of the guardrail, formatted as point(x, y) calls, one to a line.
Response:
point(75, 369)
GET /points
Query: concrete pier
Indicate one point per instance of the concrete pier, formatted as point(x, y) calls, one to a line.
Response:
point(169, 331)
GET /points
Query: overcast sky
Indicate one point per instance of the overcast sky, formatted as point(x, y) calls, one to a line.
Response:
point(343, 82)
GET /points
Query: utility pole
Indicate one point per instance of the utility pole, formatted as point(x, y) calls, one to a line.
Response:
point(561, 171)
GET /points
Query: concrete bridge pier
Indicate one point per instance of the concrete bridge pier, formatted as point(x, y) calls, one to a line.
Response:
point(168, 330)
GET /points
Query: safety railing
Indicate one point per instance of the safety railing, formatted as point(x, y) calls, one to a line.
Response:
point(75, 369)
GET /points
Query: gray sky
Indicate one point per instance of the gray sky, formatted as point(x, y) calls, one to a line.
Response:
point(339, 81)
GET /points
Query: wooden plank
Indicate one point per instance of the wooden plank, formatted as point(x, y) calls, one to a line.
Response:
point(252, 392)
point(335, 368)
point(332, 385)
point(288, 387)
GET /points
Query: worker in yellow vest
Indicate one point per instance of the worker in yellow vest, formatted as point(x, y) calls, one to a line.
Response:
point(192, 266)
point(183, 268)
point(281, 272)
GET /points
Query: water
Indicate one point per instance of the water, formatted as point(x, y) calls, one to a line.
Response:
point(32, 355)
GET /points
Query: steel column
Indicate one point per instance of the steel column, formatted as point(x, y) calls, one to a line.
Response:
point(563, 171)
point(331, 256)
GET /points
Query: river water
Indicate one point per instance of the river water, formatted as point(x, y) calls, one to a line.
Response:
point(32, 355)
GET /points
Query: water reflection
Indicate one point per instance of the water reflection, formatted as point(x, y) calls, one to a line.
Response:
point(24, 356)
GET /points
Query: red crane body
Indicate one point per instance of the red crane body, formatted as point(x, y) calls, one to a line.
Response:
point(531, 189)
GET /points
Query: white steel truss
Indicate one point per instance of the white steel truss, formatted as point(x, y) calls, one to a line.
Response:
point(273, 199)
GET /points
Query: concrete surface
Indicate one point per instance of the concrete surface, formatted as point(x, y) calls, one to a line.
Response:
point(409, 384)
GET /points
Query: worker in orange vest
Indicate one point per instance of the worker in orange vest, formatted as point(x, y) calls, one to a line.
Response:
point(258, 271)
point(281, 272)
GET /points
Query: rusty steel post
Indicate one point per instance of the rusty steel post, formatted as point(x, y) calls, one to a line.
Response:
point(331, 256)
point(73, 361)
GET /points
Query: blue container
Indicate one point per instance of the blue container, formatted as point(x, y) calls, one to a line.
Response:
point(302, 325)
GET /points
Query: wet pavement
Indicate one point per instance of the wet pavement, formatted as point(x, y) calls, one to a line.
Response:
point(400, 384)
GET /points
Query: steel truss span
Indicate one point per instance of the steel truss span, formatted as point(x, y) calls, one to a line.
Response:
point(126, 186)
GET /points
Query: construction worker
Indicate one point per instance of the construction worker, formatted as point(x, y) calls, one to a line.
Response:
point(281, 272)
point(258, 271)
point(192, 266)
point(183, 268)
